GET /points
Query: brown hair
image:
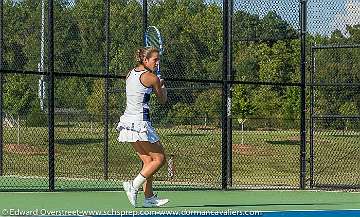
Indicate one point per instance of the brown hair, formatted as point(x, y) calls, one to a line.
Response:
point(143, 53)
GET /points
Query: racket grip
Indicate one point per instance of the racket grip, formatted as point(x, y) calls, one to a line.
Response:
point(158, 72)
point(163, 82)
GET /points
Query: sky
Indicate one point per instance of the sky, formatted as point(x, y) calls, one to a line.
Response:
point(328, 15)
point(324, 16)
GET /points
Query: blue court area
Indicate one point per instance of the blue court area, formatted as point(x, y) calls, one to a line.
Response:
point(318, 213)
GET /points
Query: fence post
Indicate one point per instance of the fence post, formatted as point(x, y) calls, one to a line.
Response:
point(1, 83)
point(312, 123)
point(50, 76)
point(303, 22)
point(226, 96)
point(106, 103)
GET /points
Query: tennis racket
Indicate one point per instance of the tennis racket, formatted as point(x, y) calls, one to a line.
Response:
point(153, 39)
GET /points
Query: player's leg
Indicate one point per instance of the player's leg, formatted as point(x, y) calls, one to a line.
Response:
point(147, 186)
point(131, 187)
point(152, 154)
point(156, 151)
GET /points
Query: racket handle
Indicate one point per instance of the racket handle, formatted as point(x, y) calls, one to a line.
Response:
point(162, 83)
point(158, 71)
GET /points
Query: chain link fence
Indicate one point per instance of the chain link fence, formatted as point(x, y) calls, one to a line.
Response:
point(334, 132)
point(266, 118)
point(234, 117)
point(334, 94)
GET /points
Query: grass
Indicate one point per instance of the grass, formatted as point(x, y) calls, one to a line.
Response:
point(260, 158)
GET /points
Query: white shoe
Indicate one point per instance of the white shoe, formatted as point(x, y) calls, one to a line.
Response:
point(131, 192)
point(154, 201)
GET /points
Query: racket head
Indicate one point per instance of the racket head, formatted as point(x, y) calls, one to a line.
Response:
point(153, 39)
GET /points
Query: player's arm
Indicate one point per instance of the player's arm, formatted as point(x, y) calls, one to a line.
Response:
point(151, 80)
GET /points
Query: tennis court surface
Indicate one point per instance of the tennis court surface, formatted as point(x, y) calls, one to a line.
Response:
point(200, 203)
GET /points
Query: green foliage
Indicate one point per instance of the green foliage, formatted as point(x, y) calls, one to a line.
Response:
point(36, 117)
point(275, 62)
point(242, 105)
point(291, 107)
point(265, 48)
point(70, 93)
point(158, 112)
point(267, 103)
point(95, 101)
point(126, 32)
point(208, 105)
point(181, 113)
point(89, 15)
point(19, 93)
point(349, 108)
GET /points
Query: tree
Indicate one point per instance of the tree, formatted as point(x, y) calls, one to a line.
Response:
point(266, 102)
point(242, 105)
point(246, 63)
point(291, 106)
point(71, 93)
point(89, 16)
point(68, 38)
point(181, 113)
point(208, 105)
point(126, 35)
point(273, 28)
point(275, 62)
point(158, 112)
point(19, 93)
point(95, 101)
point(245, 26)
point(20, 33)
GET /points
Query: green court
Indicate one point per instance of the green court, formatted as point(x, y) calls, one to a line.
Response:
point(184, 200)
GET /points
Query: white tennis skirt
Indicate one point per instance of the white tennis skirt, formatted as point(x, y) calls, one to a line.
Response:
point(132, 131)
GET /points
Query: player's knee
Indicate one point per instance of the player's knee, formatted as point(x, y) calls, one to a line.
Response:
point(146, 160)
point(160, 159)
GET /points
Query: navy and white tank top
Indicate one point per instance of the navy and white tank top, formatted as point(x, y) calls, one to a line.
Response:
point(137, 98)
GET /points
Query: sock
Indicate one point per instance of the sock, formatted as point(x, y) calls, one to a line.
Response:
point(138, 181)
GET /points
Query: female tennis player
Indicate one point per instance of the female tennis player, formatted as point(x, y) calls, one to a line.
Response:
point(135, 126)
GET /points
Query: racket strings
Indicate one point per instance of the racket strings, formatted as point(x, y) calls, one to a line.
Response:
point(153, 39)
